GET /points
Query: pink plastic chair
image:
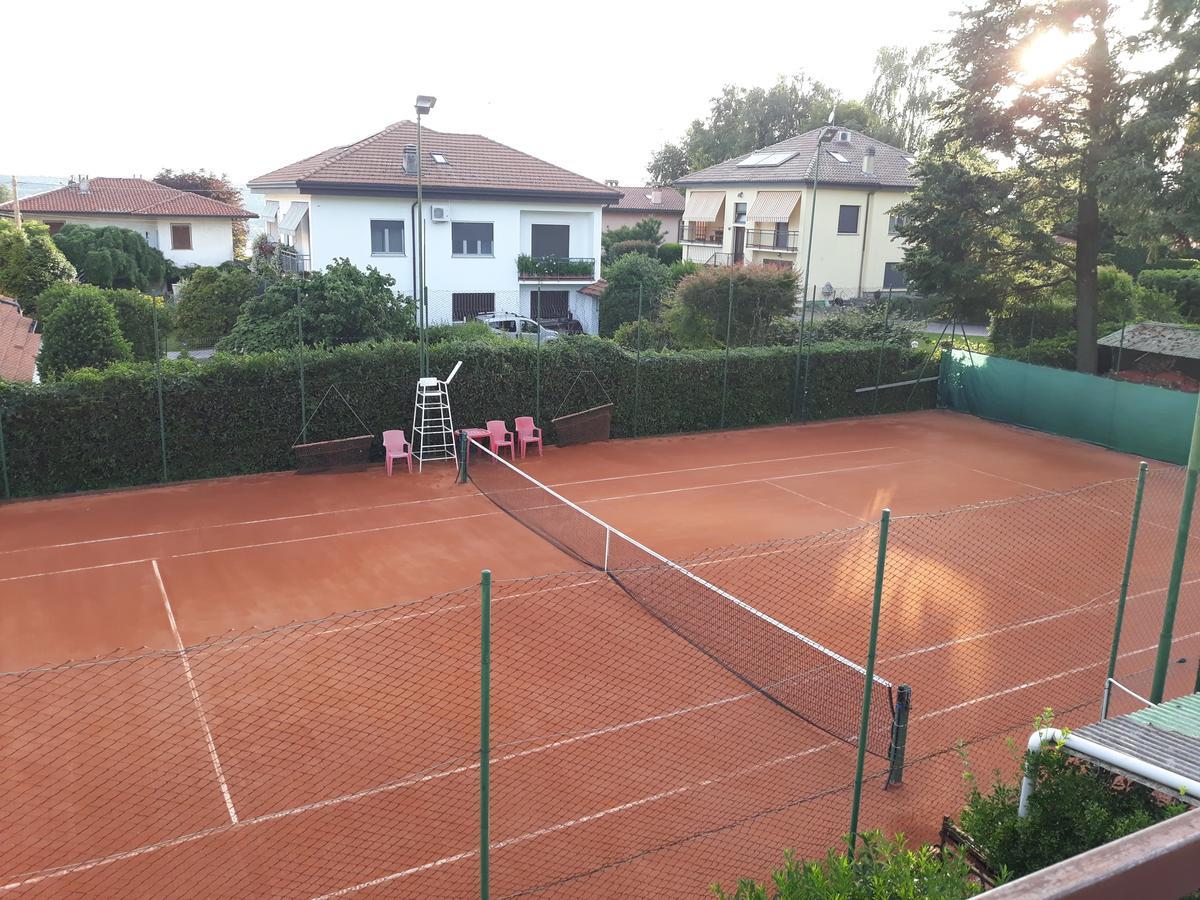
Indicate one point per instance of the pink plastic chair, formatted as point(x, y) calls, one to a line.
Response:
point(528, 433)
point(396, 447)
point(501, 437)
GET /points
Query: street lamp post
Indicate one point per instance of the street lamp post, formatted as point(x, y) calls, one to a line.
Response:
point(424, 105)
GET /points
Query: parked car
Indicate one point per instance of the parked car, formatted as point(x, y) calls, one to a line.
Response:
point(514, 326)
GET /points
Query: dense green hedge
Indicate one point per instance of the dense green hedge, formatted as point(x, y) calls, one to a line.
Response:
point(1182, 284)
point(240, 414)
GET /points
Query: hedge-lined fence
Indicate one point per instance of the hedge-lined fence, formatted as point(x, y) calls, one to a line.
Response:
point(241, 414)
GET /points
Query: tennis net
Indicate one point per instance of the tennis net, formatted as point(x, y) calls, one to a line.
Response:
point(822, 687)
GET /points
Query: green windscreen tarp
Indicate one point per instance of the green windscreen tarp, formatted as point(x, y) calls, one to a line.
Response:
point(1147, 421)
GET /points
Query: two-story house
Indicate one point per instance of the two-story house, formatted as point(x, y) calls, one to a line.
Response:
point(763, 208)
point(501, 226)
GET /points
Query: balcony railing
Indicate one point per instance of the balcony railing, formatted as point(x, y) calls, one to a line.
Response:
point(540, 268)
point(770, 239)
point(719, 259)
point(701, 233)
point(291, 263)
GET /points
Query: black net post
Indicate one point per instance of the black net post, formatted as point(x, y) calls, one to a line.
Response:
point(899, 735)
point(162, 422)
point(464, 452)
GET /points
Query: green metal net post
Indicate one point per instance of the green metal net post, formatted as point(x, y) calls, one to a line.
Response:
point(162, 422)
point(1163, 658)
point(1120, 621)
point(877, 602)
point(485, 710)
point(537, 319)
point(300, 363)
point(728, 335)
point(637, 368)
point(887, 308)
point(807, 363)
point(4, 458)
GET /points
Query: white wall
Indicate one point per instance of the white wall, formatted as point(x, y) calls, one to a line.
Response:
point(212, 238)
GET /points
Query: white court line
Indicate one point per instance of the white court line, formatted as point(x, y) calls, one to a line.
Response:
point(187, 671)
point(773, 483)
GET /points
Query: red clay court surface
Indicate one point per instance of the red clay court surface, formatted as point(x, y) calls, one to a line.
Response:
point(171, 567)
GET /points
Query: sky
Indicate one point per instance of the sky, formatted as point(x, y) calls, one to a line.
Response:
point(243, 88)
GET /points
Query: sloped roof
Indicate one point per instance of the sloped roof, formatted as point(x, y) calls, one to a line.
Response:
point(636, 198)
point(891, 164)
point(1157, 337)
point(127, 197)
point(1166, 734)
point(474, 165)
point(19, 344)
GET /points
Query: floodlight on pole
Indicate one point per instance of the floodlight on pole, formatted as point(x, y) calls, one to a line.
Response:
point(424, 104)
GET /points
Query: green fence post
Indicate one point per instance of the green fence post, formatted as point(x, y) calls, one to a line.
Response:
point(4, 458)
point(887, 306)
point(485, 711)
point(877, 602)
point(300, 359)
point(637, 368)
point(537, 318)
point(162, 422)
point(1181, 546)
point(807, 361)
point(799, 355)
point(1116, 641)
point(728, 334)
point(899, 736)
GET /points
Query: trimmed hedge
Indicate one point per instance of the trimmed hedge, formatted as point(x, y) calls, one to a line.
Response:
point(241, 414)
point(1019, 323)
point(1182, 284)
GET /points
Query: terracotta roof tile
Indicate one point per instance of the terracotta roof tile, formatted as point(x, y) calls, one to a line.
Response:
point(19, 344)
point(474, 164)
point(127, 197)
point(635, 198)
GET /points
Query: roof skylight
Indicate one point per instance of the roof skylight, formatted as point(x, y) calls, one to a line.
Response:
point(440, 159)
point(837, 156)
point(767, 158)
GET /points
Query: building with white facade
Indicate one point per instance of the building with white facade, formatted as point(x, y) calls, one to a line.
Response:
point(764, 208)
point(189, 229)
point(503, 230)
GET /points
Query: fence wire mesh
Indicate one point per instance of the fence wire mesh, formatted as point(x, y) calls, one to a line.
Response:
point(341, 756)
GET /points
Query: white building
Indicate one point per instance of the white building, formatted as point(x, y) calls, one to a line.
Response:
point(759, 209)
point(189, 229)
point(500, 225)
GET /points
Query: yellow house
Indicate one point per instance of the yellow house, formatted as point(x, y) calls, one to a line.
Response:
point(759, 209)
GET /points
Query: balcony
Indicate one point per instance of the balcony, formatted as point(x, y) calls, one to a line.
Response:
point(702, 233)
point(770, 239)
point(291, 263)
point(556, 268)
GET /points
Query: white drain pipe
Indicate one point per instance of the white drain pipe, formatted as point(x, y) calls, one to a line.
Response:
point(1118, 760)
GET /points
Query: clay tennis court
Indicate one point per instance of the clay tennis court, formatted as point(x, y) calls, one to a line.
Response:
point(340, 755)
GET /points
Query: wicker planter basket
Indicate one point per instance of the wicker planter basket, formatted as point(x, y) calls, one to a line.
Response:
point(341, 455)
point(593, 424)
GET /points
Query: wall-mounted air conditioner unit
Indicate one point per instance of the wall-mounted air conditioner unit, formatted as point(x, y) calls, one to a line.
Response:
point(439, 213)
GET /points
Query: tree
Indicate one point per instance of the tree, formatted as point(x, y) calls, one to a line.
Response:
point(699, 312)
point(135, 312)
point(210, 301)
point(626, 276)
point(647, 229)
point(217, 187)
point(29, 260)
point(112, 257)
point(341, 305)
point(668, 164)
point(82, 332)
point(904, 94)
point(5, 192)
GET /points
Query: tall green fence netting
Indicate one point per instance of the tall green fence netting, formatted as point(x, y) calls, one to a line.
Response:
point(1148, 421)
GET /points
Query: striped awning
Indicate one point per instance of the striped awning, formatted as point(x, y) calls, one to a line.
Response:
point(295, 215)
point(703, 206)
point(773, 206)
point(270, 211)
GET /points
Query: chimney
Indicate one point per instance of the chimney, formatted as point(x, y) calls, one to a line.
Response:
point(84, 184)
point(610, 182)
point(410, 159)
point(869, 161)
point(656, 198)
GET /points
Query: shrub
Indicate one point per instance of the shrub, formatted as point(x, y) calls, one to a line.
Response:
point(703, 301)
point(462, 331)
point(135, 312)
point(866, 324)
point(341, 305)
point(1019, 323)
point(112, 257)
point(554, 265)
point(619, 302)
point(29, 261)
point(621, 248)
point(1182, 284)
point(655, 335)
point(83, 331)
point(880, 869)
point(210, 302)
point(1185, 264)
point(1056, 352)
point(682, 269)
point(647, 229)
point(669, 254)
point(1073, 808)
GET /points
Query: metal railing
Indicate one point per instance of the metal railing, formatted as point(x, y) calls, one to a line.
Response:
point(541, 267)
point(770, 239)
point(720, 259)
point(292, 263)
point(701, 233)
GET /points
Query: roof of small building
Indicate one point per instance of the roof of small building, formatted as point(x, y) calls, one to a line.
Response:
point(126, 197)
point(473, 166)
point(1156, 337)
point(891, 164)
point(1165, 734)
point(19, 343)
point(637, 198)
point(595, 289)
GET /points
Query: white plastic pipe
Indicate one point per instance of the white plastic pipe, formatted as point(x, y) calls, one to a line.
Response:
point(1123, 761)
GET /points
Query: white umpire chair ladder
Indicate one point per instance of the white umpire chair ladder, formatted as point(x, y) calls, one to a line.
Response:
point(433, 423)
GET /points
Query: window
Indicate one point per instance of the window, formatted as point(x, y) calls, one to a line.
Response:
point(181, 237)
point(465, 307)
point(440, 159)
point(387, 237)
point(548, 305)
point(471, 238)
point(739, 213)
point(893, 276)
point(781, 235)
point(55, 227)
point(848, 220)
point(550, 240)
point(837, 156)
point(894, 224)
